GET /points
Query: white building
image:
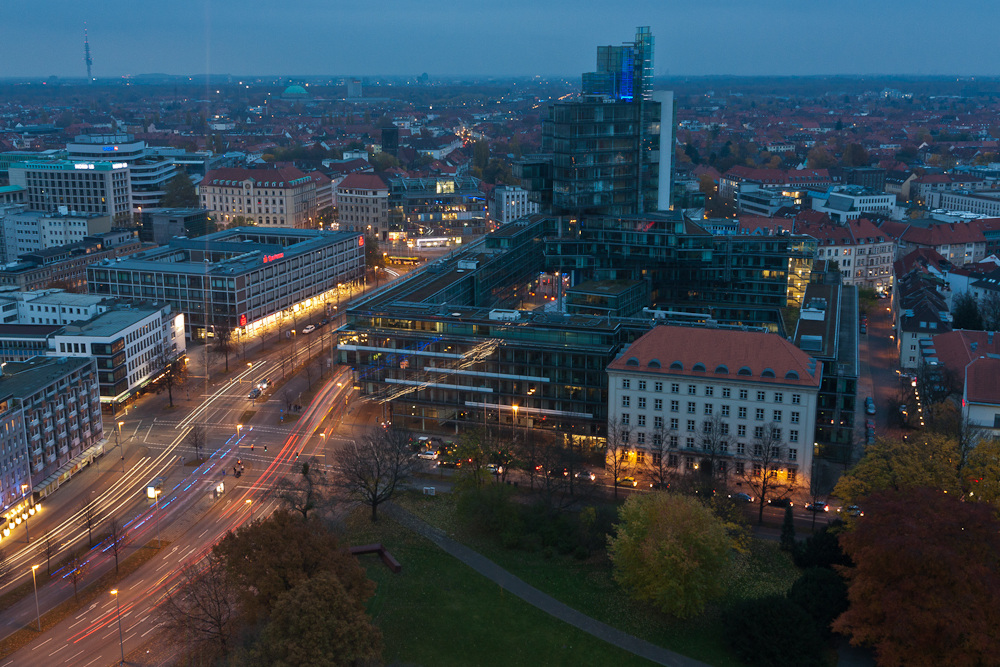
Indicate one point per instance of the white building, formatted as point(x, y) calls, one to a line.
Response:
point(82, 187)
point(49, 306)
point(850, 202)
point(28, 231)
point(148, 173)
point(508, 203)
point(674, 381)
point(363, 204)
point(283, 197)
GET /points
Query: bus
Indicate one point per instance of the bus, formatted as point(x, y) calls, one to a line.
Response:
point(432, 242)
point(404, 260)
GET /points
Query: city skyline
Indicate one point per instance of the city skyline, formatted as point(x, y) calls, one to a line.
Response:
point(721, 37)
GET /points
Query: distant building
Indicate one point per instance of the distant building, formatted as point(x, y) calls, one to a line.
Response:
point(508, 203)
point(920, 313)
point(30, 231)
point(363, 204)
point(166, 223)
point(101, 188)
point(390, 140)
point(793, 179)
point(985, 202)
point(354, 90)
point(842, 203)
point(65, 266)
point(283, 197)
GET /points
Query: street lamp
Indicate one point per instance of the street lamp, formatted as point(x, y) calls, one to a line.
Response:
point(24, 515)
point(250, 503)
point(121, 639)
point(118, 441)
point(238, 428)
point(159, 542)
point(38, 613)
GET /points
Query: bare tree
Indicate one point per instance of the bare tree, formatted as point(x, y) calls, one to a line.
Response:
point(204, 607)
point(989, 309)
point(661, 468)
point(196, 439)
point(76, 569)
point(49, 549)
point(88, 517)
point(4, 564)
point(762, 466)
point(307, 491)
point(714, 442)
point(173, 370)
point(372, 468)
point(224, 344)
point(617, 450)
point(118, 537)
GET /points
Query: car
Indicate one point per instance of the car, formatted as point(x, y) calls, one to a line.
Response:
point(864, 328)
point(559, 472)
point(780, 502)
point(869, 423)
point(742, 497)
point(870, 406)
point(450, 463)
point(585, 475)
point(494, 468)
point(254, 393)
point(663, 486)
point(428, 454)
point(852, 510)
point(264, 384)
point(818, 507)
point(627, 481)
point(308, 329)
point(324, 322)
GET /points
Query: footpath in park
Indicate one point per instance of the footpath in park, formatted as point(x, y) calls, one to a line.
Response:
point(537, 598)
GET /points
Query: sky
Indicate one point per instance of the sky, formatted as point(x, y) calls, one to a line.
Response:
point(39, 38)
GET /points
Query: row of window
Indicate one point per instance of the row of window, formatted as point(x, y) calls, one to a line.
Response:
point(709, 390)
point(708, 409)
point(707, 429)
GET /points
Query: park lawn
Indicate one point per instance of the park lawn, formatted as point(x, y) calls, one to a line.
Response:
point(588, 586)
point(438, 611)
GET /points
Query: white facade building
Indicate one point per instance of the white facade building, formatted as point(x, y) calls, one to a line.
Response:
point(673, 381)
point(148, 175)
point(508, 203)
point(28, 231)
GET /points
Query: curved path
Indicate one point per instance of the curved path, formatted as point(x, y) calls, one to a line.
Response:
point(537, 598)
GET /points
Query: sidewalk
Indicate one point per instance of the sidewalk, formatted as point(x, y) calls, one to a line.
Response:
point(537, 598)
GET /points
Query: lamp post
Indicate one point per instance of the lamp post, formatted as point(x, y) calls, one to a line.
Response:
point(118, 437)
point(159, 543)
point(38, 612)
point(250, 503)
point(238, 428)
point(24, 515)
point(121, 639)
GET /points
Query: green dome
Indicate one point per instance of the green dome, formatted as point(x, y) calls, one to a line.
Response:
point(295, 91)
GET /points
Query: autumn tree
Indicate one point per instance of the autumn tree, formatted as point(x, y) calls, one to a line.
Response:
point(714, 444)
point(925, 580)
point(180, 192)
point(373, 467)
point(318, 623)
point(927, 460)
point(989, 310)
point(819, 158)
point(981, 474)
point(670, 550)
point(762, 467)
point(204, 607)
point(268, 558)
point(856, 156)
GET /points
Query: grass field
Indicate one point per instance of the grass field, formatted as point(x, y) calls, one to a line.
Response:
point(437, 611)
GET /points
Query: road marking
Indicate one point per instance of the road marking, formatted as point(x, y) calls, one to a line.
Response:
point(44, 643)
point(92, 661)
point(150, 630)
point(58, 649)
point(75, 656)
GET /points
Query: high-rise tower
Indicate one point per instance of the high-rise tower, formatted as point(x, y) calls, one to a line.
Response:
point(86, 55)
point(609, 151)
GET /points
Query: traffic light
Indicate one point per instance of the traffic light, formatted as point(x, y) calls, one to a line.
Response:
point(265, 449)
point(251, 446)
point(296, 456)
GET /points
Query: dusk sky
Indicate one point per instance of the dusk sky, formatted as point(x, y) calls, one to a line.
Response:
point(503, 38)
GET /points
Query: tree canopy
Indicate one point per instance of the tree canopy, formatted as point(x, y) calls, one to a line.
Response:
point(926, 579)
point(929, 460)
point(671, 551)
point(179, 192)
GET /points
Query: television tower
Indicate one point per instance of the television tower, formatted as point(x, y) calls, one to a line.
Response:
point(86, 54)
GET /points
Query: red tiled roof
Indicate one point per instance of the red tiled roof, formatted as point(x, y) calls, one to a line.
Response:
point(360, 181)
point(280, 177)
point(982, 380)
point(715, 348)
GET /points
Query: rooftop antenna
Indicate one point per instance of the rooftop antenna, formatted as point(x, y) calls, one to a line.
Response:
point(86, 54)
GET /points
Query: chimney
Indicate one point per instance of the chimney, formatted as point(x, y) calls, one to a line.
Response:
point(989, 337)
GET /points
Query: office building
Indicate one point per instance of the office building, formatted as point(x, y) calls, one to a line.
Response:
point(60, 409)
point(507, 203)
point(283, 197)
point(427, 203)
point(166, 223)
point(66, 266)
point(610, 151)
point(363, 204)
point(682, 384)
point(30, 231)
point(241, 278)
point(148, 172)
point(101, 188)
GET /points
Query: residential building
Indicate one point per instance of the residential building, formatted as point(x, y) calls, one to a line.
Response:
point(984, 202)
point(242, 278)
point(898, 183)
point(794, 179)
point(507, 203)
point(148, 173)
point(863, 252)
point(101, 188)
point(60, 410)
point(958, 242)
point(923, 187)
point(966, 363)
point(920, 312)
point(363, 204)
point(674, 382)
point(283, 197)
point(843, 203)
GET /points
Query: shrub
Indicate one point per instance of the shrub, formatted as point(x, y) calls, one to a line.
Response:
point(822, 593)
point(774, 632)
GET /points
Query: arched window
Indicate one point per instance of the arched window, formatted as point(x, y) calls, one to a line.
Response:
point(767, 373)
point(744, 371)
point(632, 361)
point(654, 363)
point(722, 369)
point(791, 375)
point(677, 366)
point(698, 367)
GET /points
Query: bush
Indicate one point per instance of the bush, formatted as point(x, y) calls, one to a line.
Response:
point(774, 632)
point(581, 553)
point(548, 553)
point(822, 549)
point(822, 593)
point(788, 531)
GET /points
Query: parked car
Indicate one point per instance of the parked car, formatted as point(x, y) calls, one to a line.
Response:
point(428, 454)
point(870, 405)
point(780, 502)
point(864, 328)
point(308, 329)
point(665, 486)
point(627, 481)
point(741, 497)
point(818, 507)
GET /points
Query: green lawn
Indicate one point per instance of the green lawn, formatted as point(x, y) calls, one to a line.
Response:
point(437, 611)
point(588, 586)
